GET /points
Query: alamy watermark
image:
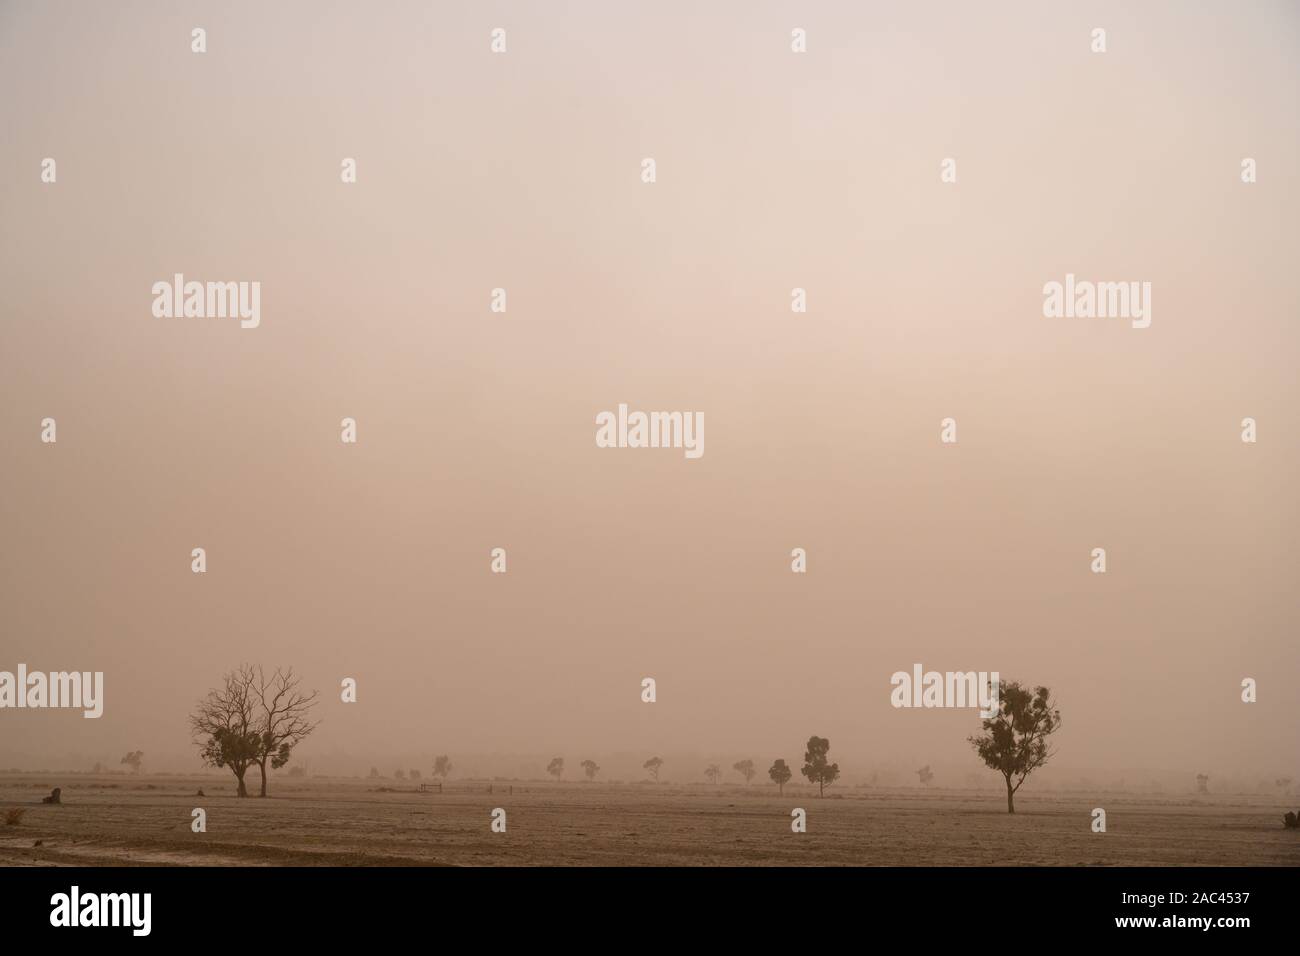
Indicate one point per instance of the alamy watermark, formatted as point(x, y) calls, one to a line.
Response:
point(75, 908)
point(208, 300)
point(923, 688)
point(651, 430)
point(1098, 300)
point(82, 690)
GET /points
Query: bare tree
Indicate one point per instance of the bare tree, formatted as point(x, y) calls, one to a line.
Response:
point(283, 718)
point(713, 772)
point(746, 769)
point(224, 725)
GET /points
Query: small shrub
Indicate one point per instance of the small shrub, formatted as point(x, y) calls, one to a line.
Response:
point(14, 816)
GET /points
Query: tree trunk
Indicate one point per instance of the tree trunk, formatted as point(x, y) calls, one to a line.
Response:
point(262, 767)
point(1011, 803)
point(780, 787)
point(821, 788)
point(242, 791)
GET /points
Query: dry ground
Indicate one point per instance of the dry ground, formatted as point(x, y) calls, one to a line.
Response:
point(114, 819)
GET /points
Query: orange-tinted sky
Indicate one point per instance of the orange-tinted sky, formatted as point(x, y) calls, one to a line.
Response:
point(476, 430)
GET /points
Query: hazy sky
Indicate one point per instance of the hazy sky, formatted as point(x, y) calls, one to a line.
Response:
point(476, 430)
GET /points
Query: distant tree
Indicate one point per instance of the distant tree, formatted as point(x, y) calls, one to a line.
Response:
point(713, 772)
point(99, 767)
point(1202, 783)
point(556, 767)
point(780, 774)
point(413, 774)
point(653, 765)
point(374, 773)
point(225, 725)
point(1014, 741)
point(926, 775)
point(746, 769)
point(815, 766)
point(1283, 784)
point(442, 767)
point(283, 718)
point(589, 766)
point(134, 759)
point(298, 771)
point(399, 774)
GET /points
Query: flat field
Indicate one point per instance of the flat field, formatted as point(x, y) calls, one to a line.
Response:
point(128, 820)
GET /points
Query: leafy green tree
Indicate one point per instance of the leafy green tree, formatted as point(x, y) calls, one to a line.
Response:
point(224, 725)
point(780, 774)
point(1014, 741)
point(815, 766)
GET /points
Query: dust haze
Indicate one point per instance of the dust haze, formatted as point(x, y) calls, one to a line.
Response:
point(475, 430)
